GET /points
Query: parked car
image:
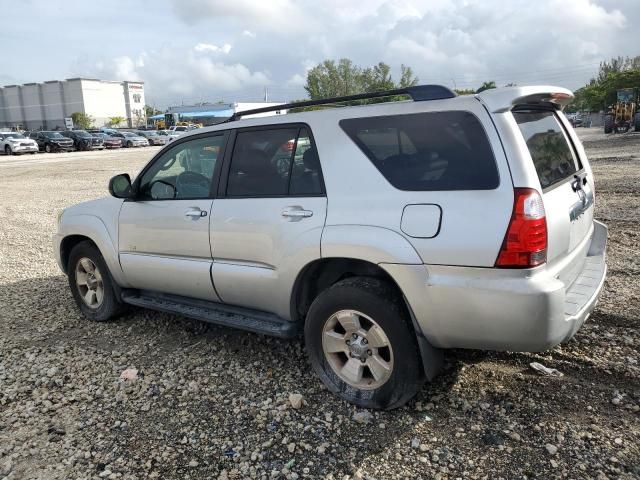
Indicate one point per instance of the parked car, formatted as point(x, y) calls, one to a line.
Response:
point(108, 140)
point(13, 143)
point(153, 137)
point(386, 233)
point(50, 141)
point(171, 136)
point(130, 139)
point(83, 140)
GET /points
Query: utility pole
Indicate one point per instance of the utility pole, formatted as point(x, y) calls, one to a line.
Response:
point(266, 95)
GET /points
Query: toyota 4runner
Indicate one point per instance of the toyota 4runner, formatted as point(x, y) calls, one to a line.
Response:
point(385, 233)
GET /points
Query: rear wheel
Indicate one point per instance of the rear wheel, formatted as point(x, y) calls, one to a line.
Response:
point(360, 343)
point(608, 123)
point(91, 283)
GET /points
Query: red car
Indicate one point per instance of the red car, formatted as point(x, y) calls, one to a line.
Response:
point(109, 142)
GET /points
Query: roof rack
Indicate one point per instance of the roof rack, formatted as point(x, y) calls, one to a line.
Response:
point(417, 93)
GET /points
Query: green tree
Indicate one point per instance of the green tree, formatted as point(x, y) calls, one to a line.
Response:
point(464, 91)
point(486, 86)
point(82, 120)
point(116, 121)
point(150, 111)
point(616, 74)
point(331, 79)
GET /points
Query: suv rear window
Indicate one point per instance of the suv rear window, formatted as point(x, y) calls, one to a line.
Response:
point(548, 145)
point(427, 151)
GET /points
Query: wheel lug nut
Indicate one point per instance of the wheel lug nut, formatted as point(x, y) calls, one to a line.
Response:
point(363, 360)
point(365, 341)
point(348, 342)
point(354, 336)
point(369, 352)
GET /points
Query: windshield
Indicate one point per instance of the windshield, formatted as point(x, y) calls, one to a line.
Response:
point(129, 134)
point(82, 133)
point(52, 135)
point(14, 135)
point(181, 129)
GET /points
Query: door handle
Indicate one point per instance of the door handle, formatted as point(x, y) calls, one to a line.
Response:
point(296, 213)
point(195, 213)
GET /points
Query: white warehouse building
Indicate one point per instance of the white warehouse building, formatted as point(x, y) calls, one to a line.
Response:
point(35, 106)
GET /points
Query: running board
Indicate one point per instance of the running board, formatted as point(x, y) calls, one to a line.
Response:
point(229, 316)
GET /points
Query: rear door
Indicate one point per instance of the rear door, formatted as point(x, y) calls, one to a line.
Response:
point(567, 185)
point(267, 220)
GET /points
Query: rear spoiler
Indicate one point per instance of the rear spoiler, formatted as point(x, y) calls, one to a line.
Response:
point(499, 100)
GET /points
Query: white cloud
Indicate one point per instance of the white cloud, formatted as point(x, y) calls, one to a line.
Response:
point(456, 42)
point(207, 47)
point(191, 76)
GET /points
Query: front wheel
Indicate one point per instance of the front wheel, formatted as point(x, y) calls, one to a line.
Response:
point(129, 145)
point(608, 123)
point(91, 283)
point(47, 148)
point(7, 150)
point(361, 345)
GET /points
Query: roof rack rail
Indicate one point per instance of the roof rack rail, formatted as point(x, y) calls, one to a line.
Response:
point(417, 93)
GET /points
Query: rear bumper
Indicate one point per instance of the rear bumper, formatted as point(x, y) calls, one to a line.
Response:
point(495, 309)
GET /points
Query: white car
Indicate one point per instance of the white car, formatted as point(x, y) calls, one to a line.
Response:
point(171, 135)
point(13, 143)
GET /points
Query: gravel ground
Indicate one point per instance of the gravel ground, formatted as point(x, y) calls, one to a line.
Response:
point(212, 402)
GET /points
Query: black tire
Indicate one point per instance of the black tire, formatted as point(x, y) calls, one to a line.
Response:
point(7, 150)
point(129, 145)
point(608, 123)
point(379, 301)
point(47, 148)
point(636, 123)
point(111, 305)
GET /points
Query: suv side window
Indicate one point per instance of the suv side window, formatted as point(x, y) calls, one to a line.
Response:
point(185, 171)
point(306, 175)
point(274, 162)
point(428, 151)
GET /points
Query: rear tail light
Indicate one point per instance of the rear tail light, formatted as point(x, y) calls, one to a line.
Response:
point(525, 244)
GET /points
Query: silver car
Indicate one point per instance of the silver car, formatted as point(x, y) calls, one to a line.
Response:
point(385, 233)
point(130, 139)
point(153, 137)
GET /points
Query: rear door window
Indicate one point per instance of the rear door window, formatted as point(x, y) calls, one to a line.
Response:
point(548, 145)
point(274, 162)
point(427, 151)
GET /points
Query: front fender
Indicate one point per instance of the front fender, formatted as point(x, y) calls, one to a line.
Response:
point(93, 227)
point(372, 244)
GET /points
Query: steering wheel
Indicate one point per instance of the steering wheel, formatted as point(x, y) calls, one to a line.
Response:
point(192, 184)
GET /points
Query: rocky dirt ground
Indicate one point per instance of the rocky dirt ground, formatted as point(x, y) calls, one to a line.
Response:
point(211, 402)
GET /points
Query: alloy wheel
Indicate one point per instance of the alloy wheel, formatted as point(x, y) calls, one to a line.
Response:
point(357, 349)
point(89, 283)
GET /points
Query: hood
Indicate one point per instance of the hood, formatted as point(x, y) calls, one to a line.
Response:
point(96, 208)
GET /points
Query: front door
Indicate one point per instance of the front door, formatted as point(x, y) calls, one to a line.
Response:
point(266, 225)
point(164, 233)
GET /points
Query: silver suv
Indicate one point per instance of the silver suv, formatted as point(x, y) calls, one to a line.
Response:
point(385, 233)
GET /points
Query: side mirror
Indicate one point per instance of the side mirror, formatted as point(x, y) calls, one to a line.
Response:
point(120, 186)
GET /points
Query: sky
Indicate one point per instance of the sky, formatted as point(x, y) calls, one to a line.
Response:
point(189, 51)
